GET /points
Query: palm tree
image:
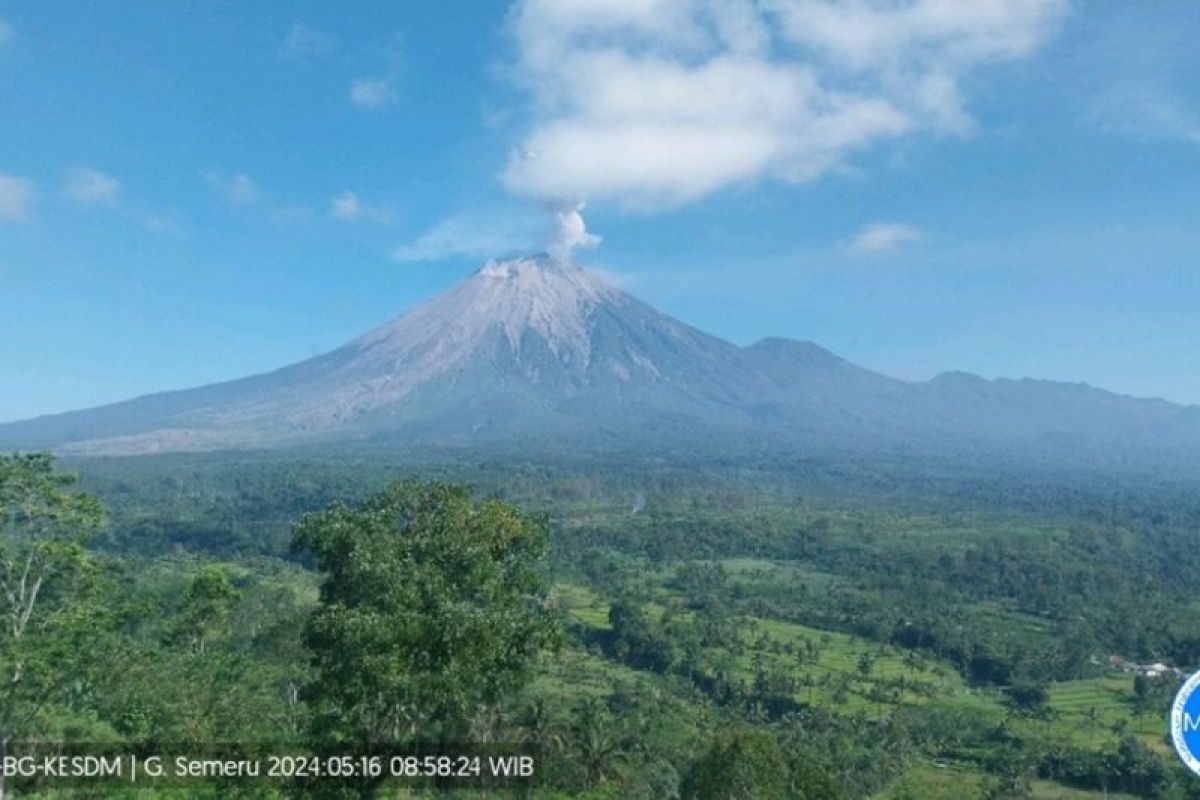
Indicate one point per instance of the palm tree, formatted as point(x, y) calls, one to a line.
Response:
point(487, 722)
point(539, 729)
point(597, 744)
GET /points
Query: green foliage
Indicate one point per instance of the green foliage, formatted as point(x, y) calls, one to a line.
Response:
point(1029, 696)
point(741, 764)
point(48, 588)
point(432, 609)
point(46, 584)
point(597, 744)
point(205, 653)
point(893, 636)
point(207, 605)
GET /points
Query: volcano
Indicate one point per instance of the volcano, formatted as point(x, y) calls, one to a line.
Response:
point(535, 351)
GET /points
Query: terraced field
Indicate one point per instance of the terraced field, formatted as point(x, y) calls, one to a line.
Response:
point(846, 671)
point(829, 668)
point(1091, 712)
point(850, 674)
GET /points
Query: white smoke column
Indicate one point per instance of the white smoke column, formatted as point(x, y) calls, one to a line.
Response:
point(570, 232)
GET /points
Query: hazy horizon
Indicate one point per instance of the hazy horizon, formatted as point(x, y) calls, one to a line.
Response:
point(612, 280)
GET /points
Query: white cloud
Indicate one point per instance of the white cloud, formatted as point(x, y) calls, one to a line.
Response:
point(921, 34)
point(655, 103)
point(372, 92)
point(237, 188)
point(349, 207)
point(477, 235)
point(159, 223)
point(346, 206)
point(16, 198)
point(242, 189)
point(884, 237)
point(379, 89)
point(89, 186)
point(1146, 111)
point(304, 41)
point(6, 33)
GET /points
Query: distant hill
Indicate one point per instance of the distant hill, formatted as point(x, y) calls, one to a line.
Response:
point(534, 351)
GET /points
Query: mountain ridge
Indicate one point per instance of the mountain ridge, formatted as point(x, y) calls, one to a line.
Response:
point(533, 348)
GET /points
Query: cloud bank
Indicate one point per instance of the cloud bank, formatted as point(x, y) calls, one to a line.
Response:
point(657, 103)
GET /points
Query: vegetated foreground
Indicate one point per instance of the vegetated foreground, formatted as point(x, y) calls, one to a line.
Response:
point(646, 631)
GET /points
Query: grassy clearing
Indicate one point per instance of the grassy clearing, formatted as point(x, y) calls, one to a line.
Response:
point(574, 675)
point(1048, 790)
point(931, 781)
point(840, 670)
point(757, 575)
point(581, 605)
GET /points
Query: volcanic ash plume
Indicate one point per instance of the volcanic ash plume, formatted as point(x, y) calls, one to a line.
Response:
point(570, 232)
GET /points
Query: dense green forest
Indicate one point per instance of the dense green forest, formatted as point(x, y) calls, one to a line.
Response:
point(656, 630)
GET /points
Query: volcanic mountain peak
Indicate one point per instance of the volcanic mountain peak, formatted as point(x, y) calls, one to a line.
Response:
point(534, 294)
point(535, 349)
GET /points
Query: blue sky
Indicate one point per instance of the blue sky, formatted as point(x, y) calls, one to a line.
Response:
point(191, 193)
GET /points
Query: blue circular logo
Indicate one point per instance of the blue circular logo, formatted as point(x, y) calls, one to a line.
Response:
point(1185, 723)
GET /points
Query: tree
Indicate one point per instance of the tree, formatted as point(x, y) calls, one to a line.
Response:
point(866, 663)
point(538, 727)
point(739, 764)
point(432, 609)
point(1141, 691)
point(630, 627)
point(1029, 696)
point(597, 743)
point(810, 782)
point(1137, 769)
point(45, 575)
point(207, 605)
point(653, 779)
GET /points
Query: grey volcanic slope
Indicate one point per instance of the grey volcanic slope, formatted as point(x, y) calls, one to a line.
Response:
point(530, 349)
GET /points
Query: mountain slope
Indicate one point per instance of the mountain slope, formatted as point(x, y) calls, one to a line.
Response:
point(530, 349)
point(523, 344)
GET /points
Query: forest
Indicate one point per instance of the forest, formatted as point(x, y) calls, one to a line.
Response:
point(639, 629)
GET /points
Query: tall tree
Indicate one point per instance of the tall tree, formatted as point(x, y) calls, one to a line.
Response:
point(432, 610)
point(207, 605)
point(45, 574)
